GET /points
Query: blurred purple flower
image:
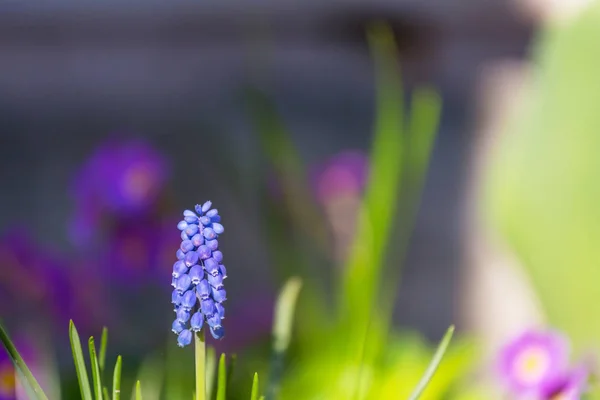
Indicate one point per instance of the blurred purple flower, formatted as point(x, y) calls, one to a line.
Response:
point(31, 277)
point(139, 249)
point(533, 360)
point(343, 174)
point(338, 185)
point(569, 386)
point(121, 177)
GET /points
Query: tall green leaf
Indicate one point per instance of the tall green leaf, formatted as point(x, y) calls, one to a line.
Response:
point(362, 273)
point(80, 368)
point(29, 381)
point(96, 378)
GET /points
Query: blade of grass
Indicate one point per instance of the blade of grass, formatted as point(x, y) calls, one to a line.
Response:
point(211, 365)
point(433, 365)
point(103, 346)
point(230, 368)
point(282, 332)
point(222, 379)
point(29, 380)
point(82, 376)
point(138, 390)
point(105, 393)
point(254, 393)
point(96, 379)
point(117, 379)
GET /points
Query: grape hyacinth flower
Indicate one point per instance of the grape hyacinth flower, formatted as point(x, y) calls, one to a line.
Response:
point(198, 275)
point(532, 361)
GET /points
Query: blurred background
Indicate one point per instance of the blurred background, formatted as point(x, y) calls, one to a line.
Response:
point(115, 117)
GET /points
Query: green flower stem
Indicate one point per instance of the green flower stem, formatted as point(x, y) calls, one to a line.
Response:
point(200, 355)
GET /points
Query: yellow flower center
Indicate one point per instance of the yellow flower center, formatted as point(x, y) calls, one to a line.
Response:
point(532, 364)
point(7, 380)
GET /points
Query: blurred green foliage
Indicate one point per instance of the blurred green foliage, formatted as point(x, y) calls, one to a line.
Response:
point(543, 190)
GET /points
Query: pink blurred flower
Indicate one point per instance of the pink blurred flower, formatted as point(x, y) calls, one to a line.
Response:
point(344, 174)
point(532, 361)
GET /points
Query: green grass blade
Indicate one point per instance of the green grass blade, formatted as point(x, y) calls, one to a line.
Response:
point(282, 332)
point(96, 379)
point(230, 369)
point(138, 390)
point(29, 381)
point(103, 346)
point(254, 393)
point(82, 376)
point(117, 380)
point(211, 365)
point(433, 365)
point(105, 393)
point(222, 379)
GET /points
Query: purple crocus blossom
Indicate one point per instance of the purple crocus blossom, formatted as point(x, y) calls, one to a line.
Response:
point(345, 173)
point(121, 177)
point(533, 360)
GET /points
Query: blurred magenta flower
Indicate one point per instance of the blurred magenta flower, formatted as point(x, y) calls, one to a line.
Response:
point(532, 361)
point(338, 184)
point(569, 386)
point(344, 174)
point(121, 177)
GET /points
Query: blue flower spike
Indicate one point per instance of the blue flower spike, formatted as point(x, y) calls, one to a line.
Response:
point(198, 275)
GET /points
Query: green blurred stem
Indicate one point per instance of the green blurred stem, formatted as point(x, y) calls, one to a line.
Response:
point(200, 355)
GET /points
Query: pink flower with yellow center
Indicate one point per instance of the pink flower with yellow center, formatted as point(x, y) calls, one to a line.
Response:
point(533, 360)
